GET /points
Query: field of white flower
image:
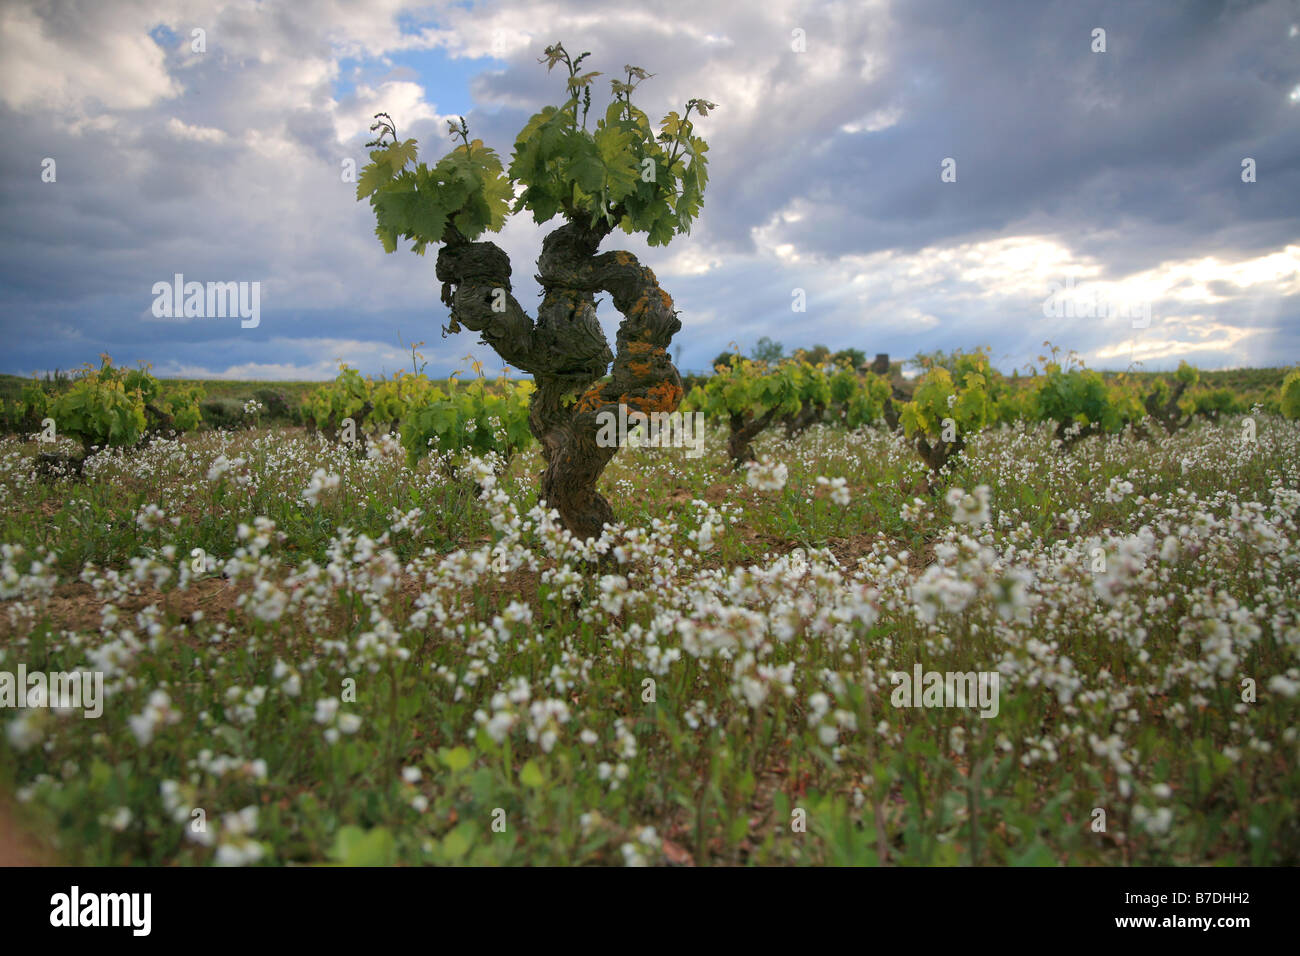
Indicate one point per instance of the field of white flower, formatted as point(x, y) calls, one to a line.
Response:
point(312, 656)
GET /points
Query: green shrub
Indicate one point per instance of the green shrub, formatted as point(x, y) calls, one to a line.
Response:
point(222, 412)
point(474, 418)
point(99, 410)
point(275, 404)
point(1289, 404)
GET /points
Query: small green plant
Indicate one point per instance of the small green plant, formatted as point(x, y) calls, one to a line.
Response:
point(1211, 403)
point(33, 405)
point(394, 398)
point(858, 397)
point(477, 418)
point(948, 406)
point(1080, 402)
point(105, 407)
point(751, 395)
point(347, 397)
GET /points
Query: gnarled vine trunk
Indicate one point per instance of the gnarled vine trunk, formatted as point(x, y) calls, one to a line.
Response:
point(937, 455)
point(1169, 415)
point(891, 411)
point(567, 353)
point(799, 422)
point(744, 429)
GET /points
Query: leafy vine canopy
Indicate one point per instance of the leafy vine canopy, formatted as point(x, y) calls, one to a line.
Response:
point(620, 174)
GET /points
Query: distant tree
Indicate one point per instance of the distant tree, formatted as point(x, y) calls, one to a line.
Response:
point(818, 354)
point(855, 358)
point(768, 351)
point(723, 359)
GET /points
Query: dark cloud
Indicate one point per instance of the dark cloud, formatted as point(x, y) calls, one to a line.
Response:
point(1151, 132)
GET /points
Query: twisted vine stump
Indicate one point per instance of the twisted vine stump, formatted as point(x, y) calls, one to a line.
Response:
point(566, 352)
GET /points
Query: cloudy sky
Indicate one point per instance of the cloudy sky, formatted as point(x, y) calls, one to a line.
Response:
point(1117, 176)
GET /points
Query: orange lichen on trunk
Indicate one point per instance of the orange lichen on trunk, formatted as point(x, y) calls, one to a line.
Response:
point(650, 351)
point(664, 397)
point(591, 398)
